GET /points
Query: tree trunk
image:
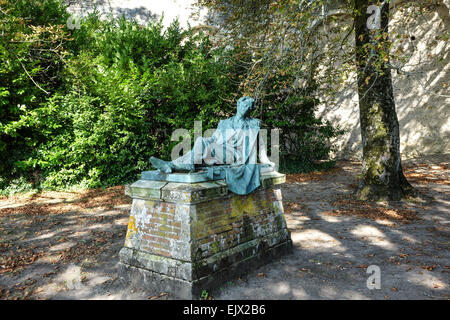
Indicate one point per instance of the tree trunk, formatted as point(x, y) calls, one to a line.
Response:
point(382, 175)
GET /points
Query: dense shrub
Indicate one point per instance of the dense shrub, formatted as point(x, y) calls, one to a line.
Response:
point(304, 137)
point(31, 34)
point(126, 88)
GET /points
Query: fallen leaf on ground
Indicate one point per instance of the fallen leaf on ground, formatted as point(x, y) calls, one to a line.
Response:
point(263, 275)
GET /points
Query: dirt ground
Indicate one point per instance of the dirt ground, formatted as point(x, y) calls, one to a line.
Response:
point(64, 245)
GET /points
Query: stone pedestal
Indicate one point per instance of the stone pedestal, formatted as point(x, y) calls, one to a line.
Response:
point(184, 238)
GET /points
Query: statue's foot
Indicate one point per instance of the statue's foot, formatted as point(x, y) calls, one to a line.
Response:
point(161, 165)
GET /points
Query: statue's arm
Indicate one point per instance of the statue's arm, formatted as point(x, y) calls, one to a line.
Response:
point(217, 135)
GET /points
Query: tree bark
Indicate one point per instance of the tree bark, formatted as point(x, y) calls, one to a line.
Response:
point(382, 175)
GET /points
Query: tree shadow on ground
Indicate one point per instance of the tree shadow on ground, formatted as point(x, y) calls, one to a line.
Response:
point(45, 235)
point(334, 243)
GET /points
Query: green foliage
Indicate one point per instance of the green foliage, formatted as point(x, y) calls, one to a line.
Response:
point(95, 103)
point(30, 63)
point(304, 137)
point(204, 295)
point(13, 186)
point(126, 88)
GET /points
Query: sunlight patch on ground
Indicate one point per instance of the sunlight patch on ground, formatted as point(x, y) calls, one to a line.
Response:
point(121, 221)
point(44, 236)
point(352, 295)
point(330, 219)
point(96, 279)
point(427, 280)
point(328, 292)
point(299, 293)
point(386, 223)
point(81, 234)
point(316, 239)
point(406, 237)
point(99, 226)
point(281, 288)
point(8, 205)
point(62, 246)
point(373, 236)
point(50, 258)
point(71, 278)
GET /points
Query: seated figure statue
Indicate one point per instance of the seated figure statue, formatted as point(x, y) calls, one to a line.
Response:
point(230, 153)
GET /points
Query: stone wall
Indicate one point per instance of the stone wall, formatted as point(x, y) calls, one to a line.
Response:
point(142, 11)
point(422, 96)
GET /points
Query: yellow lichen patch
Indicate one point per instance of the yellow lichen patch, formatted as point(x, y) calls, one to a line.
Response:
point(241, 204)
point(131, 227)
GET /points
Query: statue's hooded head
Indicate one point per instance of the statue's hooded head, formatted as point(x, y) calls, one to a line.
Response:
point(245, 105)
